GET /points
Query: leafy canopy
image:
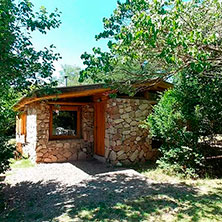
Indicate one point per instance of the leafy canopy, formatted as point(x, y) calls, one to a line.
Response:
point(157, 39)
point(186, 122)
point(22, 67)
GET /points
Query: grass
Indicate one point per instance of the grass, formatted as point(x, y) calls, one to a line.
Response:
point(197, 200)
point(19, 164)
point(204, 205)
point(23, 163)
point(171, 198)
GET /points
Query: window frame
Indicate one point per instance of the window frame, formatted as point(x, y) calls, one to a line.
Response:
point(65, 108)
point(21, 125)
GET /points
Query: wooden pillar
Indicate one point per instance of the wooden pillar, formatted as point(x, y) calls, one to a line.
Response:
point(100, 103)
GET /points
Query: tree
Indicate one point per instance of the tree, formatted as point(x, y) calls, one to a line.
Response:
point(21, 66)
point(186, 122)
point(73, 74)
point(157, 39)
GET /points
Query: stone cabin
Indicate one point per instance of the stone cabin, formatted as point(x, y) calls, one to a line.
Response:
point(82, 122)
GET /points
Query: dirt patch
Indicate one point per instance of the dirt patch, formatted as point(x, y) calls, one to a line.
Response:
point(47, 190)
point(59, 192)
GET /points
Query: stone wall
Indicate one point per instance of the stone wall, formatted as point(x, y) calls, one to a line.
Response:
point(125, 141)
point(41, 149)
point(63, 150)
point(28, 143)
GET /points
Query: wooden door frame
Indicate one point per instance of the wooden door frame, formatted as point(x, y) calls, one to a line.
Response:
point(99, 141)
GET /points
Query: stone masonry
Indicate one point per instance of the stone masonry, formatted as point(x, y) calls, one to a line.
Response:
point(125, 141)
point(28, 144)
point(41, 149)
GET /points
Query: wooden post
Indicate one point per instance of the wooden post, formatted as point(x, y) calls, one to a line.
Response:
point(100, 103)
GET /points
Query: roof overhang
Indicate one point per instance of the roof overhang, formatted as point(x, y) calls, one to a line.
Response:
point(63, 92)
point(82, 91)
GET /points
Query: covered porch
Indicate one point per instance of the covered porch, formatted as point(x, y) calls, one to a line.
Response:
point(64, 127)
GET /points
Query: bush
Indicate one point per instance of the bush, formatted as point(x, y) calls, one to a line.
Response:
point(6, 152)
point(186, 120)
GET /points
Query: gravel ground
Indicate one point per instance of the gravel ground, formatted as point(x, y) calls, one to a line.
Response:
point(92, 191)
point(67, 174)
point(64, 173)
point(50, 190)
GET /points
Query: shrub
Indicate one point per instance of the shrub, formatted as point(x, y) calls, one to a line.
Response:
point(186, 120)
point(6, 152)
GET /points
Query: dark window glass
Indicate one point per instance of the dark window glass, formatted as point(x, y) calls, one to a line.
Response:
point(64, 123)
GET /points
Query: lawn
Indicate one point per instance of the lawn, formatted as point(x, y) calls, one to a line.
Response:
point(177, 200)
point(18, 164)
point(167, 198)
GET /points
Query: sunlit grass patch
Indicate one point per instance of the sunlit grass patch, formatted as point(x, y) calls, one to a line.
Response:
point(179, 199)
point(23, 163)
point(163, 198)
point(151, 171)
point(158, 207)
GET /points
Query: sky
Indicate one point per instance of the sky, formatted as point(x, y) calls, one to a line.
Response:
point(81, 21)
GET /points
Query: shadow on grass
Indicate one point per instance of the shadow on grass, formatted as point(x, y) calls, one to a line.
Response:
point(107, 197)
point(144, 167)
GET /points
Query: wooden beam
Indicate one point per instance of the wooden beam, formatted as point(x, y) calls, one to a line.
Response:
point(70, 103)
point(152, 102)
point(99, 127)
point(100, 97)
point(26, 101)
point(152, 85)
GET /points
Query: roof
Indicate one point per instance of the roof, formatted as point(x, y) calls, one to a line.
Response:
point(66, 89)
point(73, 91)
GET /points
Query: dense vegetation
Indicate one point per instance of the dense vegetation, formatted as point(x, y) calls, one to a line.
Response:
point(175, 39)
point(157, 39)
point(21, 66)
point(186, 122)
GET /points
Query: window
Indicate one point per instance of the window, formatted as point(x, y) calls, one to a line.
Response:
point(64, 122)
point(21, 124)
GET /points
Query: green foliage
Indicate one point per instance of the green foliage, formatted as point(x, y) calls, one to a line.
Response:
point(20, 164)
point(21, 67)
point(6, 153)
point(7, 115)
point(157, 39)
point(72, 74)
point(168, 38)
point(186, 121)
point(7, 128)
